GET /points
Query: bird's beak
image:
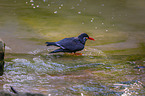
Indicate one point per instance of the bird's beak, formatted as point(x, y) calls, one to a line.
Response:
point(91, 38)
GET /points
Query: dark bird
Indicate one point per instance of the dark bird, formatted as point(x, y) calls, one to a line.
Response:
point(70, 45)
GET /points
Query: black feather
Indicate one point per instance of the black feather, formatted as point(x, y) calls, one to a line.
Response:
point(58, 50)
point(71, 44)
point(50, 43)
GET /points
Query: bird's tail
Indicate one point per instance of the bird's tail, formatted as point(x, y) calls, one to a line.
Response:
point(57, 50)
point(50, 43)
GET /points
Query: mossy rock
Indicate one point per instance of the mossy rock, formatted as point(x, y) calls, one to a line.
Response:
point(2, 51)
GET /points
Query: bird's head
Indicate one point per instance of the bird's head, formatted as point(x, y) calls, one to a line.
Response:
point(84, 37)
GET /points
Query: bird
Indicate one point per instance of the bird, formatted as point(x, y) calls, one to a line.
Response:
point(70, 45)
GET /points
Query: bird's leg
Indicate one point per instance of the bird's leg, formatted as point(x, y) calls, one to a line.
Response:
point(72, 53)
point(78, 54)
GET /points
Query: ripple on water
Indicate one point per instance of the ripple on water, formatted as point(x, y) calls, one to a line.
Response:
point(38, 65)
point(29, 72)
point(129, 88)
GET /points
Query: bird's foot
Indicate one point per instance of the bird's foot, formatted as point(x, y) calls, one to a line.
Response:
point(78, 54)
point(75, 54)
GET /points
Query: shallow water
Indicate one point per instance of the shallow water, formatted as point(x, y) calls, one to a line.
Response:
point(113, 65)
point(73, 75)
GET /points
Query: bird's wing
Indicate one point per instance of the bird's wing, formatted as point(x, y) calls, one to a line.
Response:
point(71, 44)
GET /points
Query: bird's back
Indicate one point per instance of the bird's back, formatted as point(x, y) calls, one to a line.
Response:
point(72, 44)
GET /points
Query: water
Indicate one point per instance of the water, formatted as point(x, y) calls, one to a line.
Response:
point(113, 65)
point(42, 74)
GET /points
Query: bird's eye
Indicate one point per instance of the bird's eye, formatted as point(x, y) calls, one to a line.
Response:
point(85, 38)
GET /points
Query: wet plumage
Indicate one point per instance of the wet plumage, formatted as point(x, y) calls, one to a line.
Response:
point(70, 45)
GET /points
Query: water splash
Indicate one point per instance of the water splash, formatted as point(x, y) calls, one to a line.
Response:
point(48, 4)
point(37, 5)
point(92, 19)
point(102, 5)
point(55, 12)
point(128, 93)
point(72, 7)
point(39, 65)
point(129, 87)
point(37, 51)
point(79, 12)
point(61, 5)
point(94, 52)
point(32, 4)
point(31, 1)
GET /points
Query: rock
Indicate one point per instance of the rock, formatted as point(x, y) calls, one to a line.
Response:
point(16, 93)
point(3, 93)
point(2, 51)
